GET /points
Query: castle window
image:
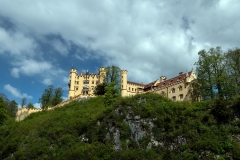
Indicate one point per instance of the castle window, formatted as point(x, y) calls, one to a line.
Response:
point(92, 82)
point(162, 93)
point(173, 90)
point(129, 89)
point(132, 89)
point(180, 88)
point(181, 96)
point(85, 81)
point(174, 98)
point(122, 86)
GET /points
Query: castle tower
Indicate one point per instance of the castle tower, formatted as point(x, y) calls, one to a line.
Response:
point(124, 82)
point(102, 74)
point(71, 84)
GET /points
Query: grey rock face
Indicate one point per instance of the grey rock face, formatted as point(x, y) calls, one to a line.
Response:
point(117, 142)
point(181, 140)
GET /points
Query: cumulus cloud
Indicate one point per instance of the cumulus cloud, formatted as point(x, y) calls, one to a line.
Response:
point(47, 81)
point(30, 67)
point(15, 92)
point(16, 43)
point(148, 38)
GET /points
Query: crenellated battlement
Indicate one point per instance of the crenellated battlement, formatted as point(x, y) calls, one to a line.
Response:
point(22, 113)
point(124, 71)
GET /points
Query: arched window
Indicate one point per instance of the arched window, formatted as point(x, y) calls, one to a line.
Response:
point(174, 98)
point(180, 88)
point(173, 90)
point(181, 96)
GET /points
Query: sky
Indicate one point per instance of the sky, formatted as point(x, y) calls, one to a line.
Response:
point(41, 40)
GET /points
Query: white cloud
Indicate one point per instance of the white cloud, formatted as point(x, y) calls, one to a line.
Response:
point(15, 72)
point(66, 80)
point(47, 81)
point(15, 92)
point(16, 43)
point(37, 105)
point(30, 67)
point(60, 47)
point(148, 38)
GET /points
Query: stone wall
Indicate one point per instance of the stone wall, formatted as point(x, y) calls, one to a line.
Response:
point(24, 112)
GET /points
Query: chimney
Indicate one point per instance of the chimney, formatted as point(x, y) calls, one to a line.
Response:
point(163, 78)
point(181, 73)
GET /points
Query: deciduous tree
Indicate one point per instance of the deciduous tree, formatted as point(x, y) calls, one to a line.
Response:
point(3, 112)
point(23, 102)
point(112, 76)
point(211, 73)
point(51, 97)
point(57, 96)
point(30, 106)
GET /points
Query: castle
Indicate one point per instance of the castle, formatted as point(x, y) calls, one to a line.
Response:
point(178, 88)
point(81, 86)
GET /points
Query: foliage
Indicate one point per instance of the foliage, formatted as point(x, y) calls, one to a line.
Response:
point(218, 73)
point(57, 96)
point(23, 102)
point(10, 106)
point(211, 72)
point(3, 112)
point(195, 93)
point(79, 129)
point(111, 79)
point(30, 106)
point(100, 89)
point(233, 60)
point(111, 93)
point(51, 97)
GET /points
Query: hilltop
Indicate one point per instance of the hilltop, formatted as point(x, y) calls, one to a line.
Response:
point(145, 126)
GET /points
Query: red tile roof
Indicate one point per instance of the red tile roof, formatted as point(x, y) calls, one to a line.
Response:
point(173, 80)
point(149, 85)
point(165, 83)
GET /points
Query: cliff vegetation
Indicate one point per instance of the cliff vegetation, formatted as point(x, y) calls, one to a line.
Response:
point(145, 126)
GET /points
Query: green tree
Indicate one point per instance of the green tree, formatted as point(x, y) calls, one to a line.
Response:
point(113, 77)
point(12, 108)
point(30, 106)
point(3, 112)
point(23, 102)
point(111, 93)
point(211, 73)
point(233, 60)
point(57, 96)
point(100, 89)
point(51, 97)
point(195, 93)
point(46, 98)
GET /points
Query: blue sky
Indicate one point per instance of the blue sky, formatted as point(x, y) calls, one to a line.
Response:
point(40, 40)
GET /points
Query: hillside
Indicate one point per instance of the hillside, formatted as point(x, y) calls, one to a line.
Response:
point(142, 127)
